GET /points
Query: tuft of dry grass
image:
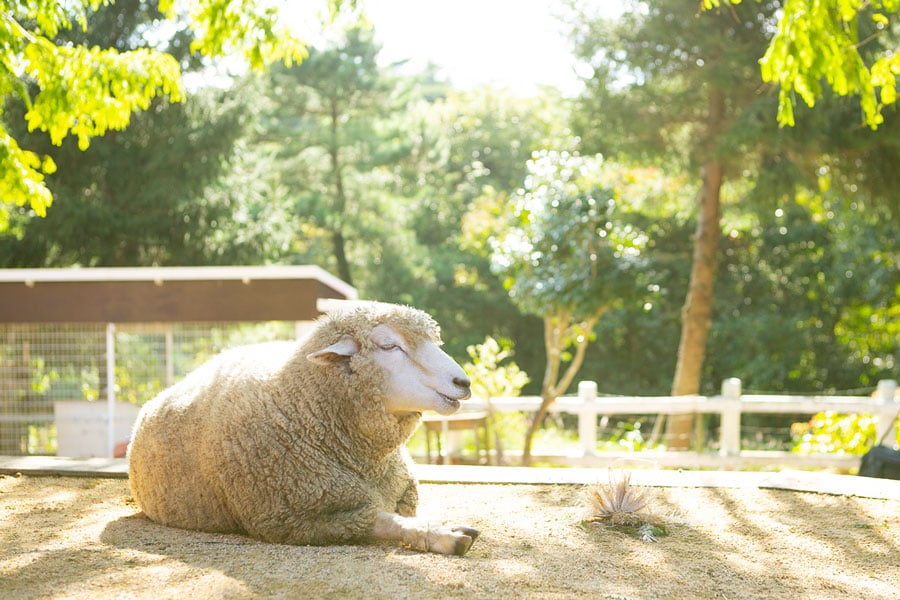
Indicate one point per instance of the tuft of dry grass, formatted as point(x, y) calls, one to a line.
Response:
point(620, 505)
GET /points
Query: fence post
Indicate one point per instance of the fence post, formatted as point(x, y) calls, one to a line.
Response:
point(730, 427)
point(170, 356)
point(587, 417)
point(886, 399)
point(111, 387)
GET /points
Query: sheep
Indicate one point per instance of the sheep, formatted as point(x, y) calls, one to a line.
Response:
point(303, 442)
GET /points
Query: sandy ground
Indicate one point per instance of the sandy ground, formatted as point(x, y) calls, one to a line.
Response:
point(69, 537)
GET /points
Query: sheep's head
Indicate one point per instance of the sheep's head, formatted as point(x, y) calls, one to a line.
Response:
point(398, 347)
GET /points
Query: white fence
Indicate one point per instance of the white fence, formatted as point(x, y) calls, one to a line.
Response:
point(730, 405)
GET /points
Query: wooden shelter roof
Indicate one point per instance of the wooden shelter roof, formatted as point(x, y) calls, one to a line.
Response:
point(167, 294)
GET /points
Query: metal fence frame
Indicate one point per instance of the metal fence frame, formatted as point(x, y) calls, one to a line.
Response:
point(116, 365)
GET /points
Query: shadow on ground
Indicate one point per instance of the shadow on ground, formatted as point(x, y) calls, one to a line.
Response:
point(83, 538)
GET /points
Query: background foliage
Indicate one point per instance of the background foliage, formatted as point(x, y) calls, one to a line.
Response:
point(379, 175)
point(71, 87)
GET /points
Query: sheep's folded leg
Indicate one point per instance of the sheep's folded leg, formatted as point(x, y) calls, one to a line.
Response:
point(448, 539)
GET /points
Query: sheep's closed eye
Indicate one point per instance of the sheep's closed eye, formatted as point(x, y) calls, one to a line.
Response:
point(390, 346)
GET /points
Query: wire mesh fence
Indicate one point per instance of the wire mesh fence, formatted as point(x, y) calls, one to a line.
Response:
point(45, 369)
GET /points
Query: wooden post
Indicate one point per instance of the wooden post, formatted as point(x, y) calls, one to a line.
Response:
point(170, 356)
point(886, 407)
point(111, 387)
point(730, 427)
point(587, 417)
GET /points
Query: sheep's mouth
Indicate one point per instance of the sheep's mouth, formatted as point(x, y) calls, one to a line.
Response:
point(450, 402)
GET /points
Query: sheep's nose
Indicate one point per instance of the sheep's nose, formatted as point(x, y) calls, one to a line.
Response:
point(462, 382)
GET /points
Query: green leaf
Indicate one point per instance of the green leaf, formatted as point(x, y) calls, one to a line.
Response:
point(819, 41)
point(85, 92)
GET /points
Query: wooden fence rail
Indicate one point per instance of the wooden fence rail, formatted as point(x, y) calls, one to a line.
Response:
point(730, 405)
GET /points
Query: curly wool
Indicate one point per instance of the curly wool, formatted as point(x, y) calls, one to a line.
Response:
point(264, 442)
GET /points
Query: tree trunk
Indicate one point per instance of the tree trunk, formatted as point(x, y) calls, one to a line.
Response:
point(696, 315)
point(555, 332)
point(338, 243)
point(340, 255)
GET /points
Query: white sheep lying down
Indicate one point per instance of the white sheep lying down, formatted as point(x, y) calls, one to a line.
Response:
point(303, 443)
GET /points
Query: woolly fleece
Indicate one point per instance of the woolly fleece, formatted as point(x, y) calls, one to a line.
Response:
point(264, 442)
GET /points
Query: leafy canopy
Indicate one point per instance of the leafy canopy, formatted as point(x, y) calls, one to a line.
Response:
point(72, 89)
point(840, 42)
point(568, 245)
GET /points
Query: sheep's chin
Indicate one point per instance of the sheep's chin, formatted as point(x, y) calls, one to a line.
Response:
point(446, 405)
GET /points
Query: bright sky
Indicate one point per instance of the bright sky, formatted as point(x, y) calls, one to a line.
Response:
point(511, 43)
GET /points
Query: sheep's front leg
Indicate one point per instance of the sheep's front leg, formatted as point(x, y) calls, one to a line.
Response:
point(406, 506)
point(449, 539)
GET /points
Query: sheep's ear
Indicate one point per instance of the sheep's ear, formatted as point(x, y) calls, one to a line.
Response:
point(343, 348)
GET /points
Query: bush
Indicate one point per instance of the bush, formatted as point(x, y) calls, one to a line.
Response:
point(834, 433)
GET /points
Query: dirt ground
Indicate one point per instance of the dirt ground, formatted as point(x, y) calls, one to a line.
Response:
point(69, 537)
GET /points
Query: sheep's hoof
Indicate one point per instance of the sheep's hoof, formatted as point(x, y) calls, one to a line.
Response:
point(455, 539)
point(468, 538)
